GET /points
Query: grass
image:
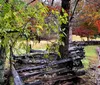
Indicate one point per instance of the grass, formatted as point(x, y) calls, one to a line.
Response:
point(91, 56)
point(90, 51)
point(42, 45)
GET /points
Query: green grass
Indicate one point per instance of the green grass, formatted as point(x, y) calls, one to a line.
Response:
point(91, 56)
point(90, 51)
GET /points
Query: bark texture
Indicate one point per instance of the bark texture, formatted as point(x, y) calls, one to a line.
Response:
point(64, 49)
point(2, 63)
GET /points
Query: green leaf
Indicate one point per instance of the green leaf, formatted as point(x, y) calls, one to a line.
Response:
point(63, 10)
point(65, 15)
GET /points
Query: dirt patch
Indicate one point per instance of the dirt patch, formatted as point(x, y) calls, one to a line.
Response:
point(90, 77)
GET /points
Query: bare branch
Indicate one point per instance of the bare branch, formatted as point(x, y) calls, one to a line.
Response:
point(52, 2)
point(31, 2)
point(74, 10)
point(81, 10)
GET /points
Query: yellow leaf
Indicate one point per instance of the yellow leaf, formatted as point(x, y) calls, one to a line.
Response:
point(39, 26)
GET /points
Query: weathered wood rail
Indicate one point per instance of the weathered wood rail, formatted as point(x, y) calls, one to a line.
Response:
point(35, 69)
point(17, 79)
point(85, 43)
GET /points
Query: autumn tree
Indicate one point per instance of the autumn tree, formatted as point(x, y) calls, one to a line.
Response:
point(86, 30)
point(86, 14)
point(87, 11)
point(98, 25)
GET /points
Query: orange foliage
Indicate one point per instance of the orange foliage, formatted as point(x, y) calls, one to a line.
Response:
point(32, 29)
point(83, 31)
point(55, 8)
point(98, 25)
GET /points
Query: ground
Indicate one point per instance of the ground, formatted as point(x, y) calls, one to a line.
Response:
point(91, 62)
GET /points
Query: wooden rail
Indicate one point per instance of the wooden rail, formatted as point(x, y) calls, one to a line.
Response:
point(86, 42)
point(40, 67)
point(17, 79)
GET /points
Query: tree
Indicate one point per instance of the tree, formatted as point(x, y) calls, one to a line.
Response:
point(66, 5)
point(16, 17)
point(88, 12)
point(85, 31)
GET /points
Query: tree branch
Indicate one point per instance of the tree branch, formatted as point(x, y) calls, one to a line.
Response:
point(52, 2)
point(73, 10)
point(31, 2)
point(81, 9)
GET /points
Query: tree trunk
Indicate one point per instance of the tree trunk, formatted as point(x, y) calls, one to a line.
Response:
point(64, 49)
point(2, 63)
point(88, 39)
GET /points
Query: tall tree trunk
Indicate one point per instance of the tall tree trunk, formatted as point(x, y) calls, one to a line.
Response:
point(52, 2)
point(64, 49)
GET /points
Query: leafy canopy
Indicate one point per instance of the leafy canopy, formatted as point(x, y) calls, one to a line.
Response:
point(16, 16)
